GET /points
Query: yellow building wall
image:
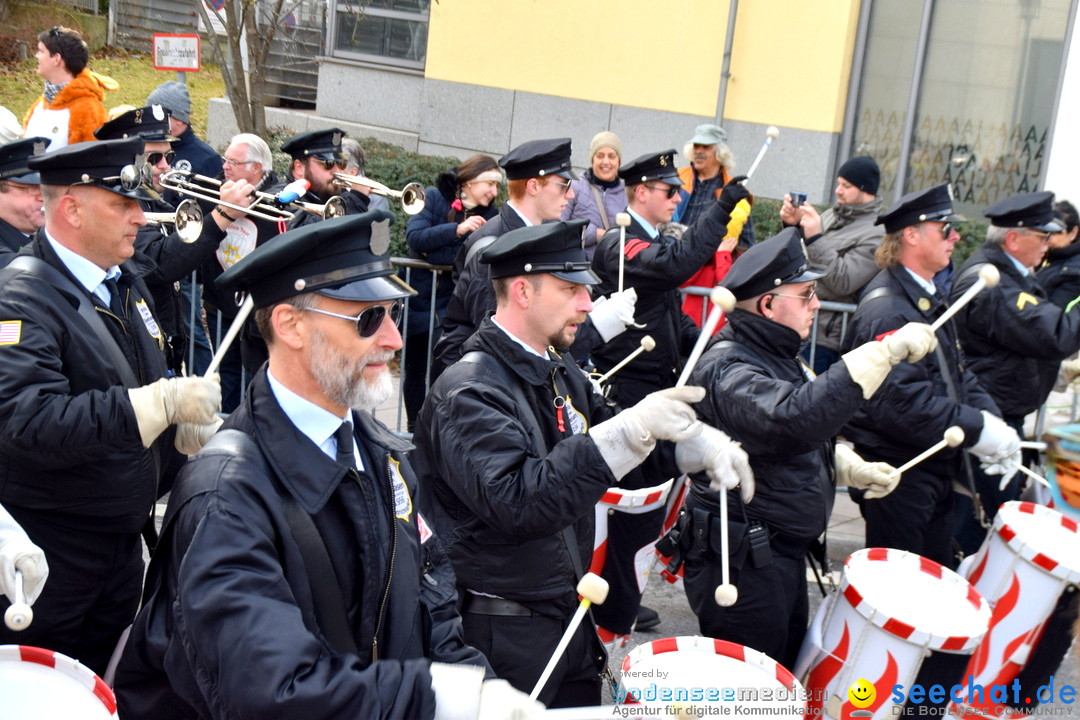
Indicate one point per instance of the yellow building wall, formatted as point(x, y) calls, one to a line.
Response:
point(790, 64)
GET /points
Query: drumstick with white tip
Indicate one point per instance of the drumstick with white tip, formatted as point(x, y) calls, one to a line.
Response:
point(593, 590)
point(726, 594)
point(988, 277)
point(647, 345)
point(953, 436)
point(19, 615)
point(723, 302)
point(770, 134)
point(230, 336)
point(623, 221)
point(1033, 475)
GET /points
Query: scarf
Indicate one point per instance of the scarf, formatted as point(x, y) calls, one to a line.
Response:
point(52, 90)
point(606, 184)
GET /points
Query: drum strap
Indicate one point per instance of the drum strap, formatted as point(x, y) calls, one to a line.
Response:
point(965, 459)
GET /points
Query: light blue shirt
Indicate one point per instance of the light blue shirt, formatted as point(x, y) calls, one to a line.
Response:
point(317, 424)
point(89, 275)
point(927, 285)
point(520, 342)
point(1019, 265)
point(652, 231)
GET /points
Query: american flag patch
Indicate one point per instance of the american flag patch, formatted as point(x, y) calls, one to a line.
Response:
point(10, 332)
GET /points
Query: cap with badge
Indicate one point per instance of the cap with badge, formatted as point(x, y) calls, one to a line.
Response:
point(779, 260)
point(14, 157)
point(151, 123)
point(107, 164)
point(321, 144)
point(555, 248)
point(653, 166)
point(345, 258)
point(538, 158)
point(933, 204)
point(1028, 210)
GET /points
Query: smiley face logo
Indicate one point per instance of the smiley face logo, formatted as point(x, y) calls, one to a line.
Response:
point(861, 693)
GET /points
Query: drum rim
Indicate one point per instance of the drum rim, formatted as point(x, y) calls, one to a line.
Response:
point(1015, 543)
point(66, 666)
point(899, 628)
point(726, 648)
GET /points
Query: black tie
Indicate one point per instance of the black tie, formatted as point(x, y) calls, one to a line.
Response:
point(116, 304)
point(344, 437)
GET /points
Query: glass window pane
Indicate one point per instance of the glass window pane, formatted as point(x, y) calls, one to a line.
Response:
point(372, 30)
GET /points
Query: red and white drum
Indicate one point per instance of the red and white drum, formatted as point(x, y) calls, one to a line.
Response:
point(692, 670)
point(893, 608)
point(1030, 556)
point(36, 683)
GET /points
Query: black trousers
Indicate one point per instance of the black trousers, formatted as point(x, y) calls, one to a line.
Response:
point(92, 594)
point(917, 516)
point(414, 374)
point(519, 648)
point(969, 533)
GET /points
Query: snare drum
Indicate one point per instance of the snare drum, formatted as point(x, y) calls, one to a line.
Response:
point(893, 609)
point(692, 670)
point(1030, 556)
point(36, 683)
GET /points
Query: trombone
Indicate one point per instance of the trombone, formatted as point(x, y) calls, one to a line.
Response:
point(188, 220)
point(265, 207)
point(411, 196)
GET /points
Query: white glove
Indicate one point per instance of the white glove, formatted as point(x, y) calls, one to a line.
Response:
point(869, 364)
point(174, 400)
point(611, 315)
point(191, 437)
point(722, 459)
point(461, 693)
point(628, 438)
point(1070, 371)
point(876, 478)
point(17, 552)
point(998, 448)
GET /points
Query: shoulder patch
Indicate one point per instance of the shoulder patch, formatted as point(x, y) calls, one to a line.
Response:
point(1024, 299)
point(402, 500)
point(10, 332)
point(422, 526)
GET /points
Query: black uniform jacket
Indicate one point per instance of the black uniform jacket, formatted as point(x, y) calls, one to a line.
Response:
point(1060, 274)
point(656, 269)
point(1014, 336)
point(761, 394)
point(913, 407)
point(69, 442)
point(11, 240)
point(228, 616)
point(498, 499)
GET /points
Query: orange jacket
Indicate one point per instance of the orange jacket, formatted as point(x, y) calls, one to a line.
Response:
point(82, 98)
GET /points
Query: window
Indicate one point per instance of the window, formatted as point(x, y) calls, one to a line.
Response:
point(383, 31)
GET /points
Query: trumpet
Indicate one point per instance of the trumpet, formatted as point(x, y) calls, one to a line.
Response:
point(266, 206)
point(411, 196)
point(188, 220)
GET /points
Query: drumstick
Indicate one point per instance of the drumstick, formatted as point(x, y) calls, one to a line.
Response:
point(234, 330)
point(723, 301)
point(953, 437)
point(623, 221)
point(19, 615)
point(593, 589)
point(726, 594)
point(647, 345)
point(988, 277)
point(1033, 445)
point(1033, 475)
point(772, 133)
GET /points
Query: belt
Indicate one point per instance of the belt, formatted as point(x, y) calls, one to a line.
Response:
point(483, 605)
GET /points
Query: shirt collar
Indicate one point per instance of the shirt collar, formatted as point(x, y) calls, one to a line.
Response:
point(528, 223)
point(89, 275)
point(1019, 265)
point(927, 285)
point(318, 424)
point(513, 337)
point(652, 231)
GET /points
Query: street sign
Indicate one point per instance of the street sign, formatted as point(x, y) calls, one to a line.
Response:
point(177, 52)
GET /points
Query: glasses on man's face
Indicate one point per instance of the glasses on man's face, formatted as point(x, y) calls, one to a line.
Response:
point(338, 163)
point(233, 163)
point(1044, 237)
point(564, 185)
point(31, 190)
point(806, 297)
point(670, 190)
point(155, 157)
point(370, 320)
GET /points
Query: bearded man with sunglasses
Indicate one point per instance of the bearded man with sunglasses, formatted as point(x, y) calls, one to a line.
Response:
point(316, 156)
point(760, 393)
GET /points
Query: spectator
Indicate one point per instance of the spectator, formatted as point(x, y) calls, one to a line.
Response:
point(357, 198)
point(599, 193)
point(1060, 271)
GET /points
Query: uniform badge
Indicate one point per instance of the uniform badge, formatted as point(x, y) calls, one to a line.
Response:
point(10, 332)
point(335, 139)
point(402, 499)
point(1024, 299)
point(183, 165)
point(577, 421)
point(380, 237)
point(39, 147)
point(663, 161)
point(138, 117)
point(159, 113)
point(422, 526)
point(148, 319)
point(924, 304)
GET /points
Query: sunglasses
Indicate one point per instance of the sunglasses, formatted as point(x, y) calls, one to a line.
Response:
point(370, 320)
point(670, 190)
point(155, 157)
point(805, 297)
point(338, 163)
point(564, 185)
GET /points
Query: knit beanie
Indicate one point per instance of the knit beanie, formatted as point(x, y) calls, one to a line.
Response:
point(862, 172)
point(173, 96)
point(604, 139)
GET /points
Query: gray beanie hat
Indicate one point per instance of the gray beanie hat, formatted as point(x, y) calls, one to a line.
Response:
point(173, 96)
